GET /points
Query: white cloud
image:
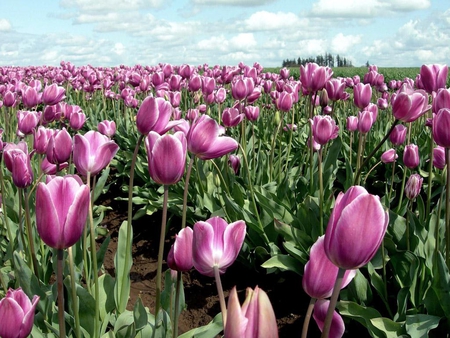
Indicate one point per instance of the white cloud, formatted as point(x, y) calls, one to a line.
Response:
point(264, 20)
point(342, 44)
point(239, 3)
point(111, 5)
point(5, 25)
point(243, 42)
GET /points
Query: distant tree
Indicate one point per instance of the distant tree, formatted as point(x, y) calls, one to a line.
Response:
point(367, 63)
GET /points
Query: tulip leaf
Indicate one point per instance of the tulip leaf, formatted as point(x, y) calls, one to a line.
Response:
point(100, 185)
point(210, 330)
point(123, 262)
point(140, 315)
point(419, 325)
point(168, 294)
point(125, 327)
point(106, 293)
point(390, 328)
point(283, 262)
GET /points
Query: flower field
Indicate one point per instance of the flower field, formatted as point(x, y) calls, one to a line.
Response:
point(335, 179)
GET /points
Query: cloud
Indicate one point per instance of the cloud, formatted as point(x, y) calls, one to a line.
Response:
point(237, 3)
point(111, 5)
point(5, 25)
point(342, 44)
point(263, 20)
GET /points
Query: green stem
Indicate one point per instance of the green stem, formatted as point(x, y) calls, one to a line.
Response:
point(402, 190)
point(223, 307)
point(308, 317)
point(177, 300)
point(73, 286)
point(60, 287)
point(272, 153)
point(437, 229)
point(30, 235)
point(320, 191)
point(447, 209)
point(430, 174)
point(333, 302)
point(392, 185)
point(5, 215)
point(408, 244)
point(291, 132)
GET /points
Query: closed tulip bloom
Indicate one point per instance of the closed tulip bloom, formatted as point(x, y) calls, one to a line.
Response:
point(53, 94)
point(17, 314)
point(107, 128)
point(352, 123)
point(154, 114)
point(239, 89)
point(335, 89)
point(324, 129)
point(356, 228)
point(205, 142)
point(62, 206)
point(408, 105)
point(441, 128)
point(398, 135)
point(59, 147)
point(50, 168)
point(337, 328)
point(41, 136)
point(255, 319)
point(365, 121)
point(27, 121)
point(362, 94)
point(180, 254)
point(411, 157)
point(77, 120)
point(220, 95)
point(433, 77)
point(320, 265)
point(441, 100)
point(9, 99)
point(30, 97)
point(382, 103)
point(251, 112)
point(231, 117)
point(389, 156)
point(439, 157)
point(235, 163)
point(92, 152)
point(285, 101)
point(216, 244)
point(313, 77)
point(17, 161)
point(413, 186)
point(166, 156)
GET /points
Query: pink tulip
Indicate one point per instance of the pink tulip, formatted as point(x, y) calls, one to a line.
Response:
point(107, 128)
point(231, 117)
point(439, 157)
point(398, 135)
point(365, 121)
point(254, 319)
point(27, 121)
point(251, 112)
point(203, 139)
point(17, 314)
point(441, 100)
point(433, 77)
point(413, 186)
point(239, 89)
point(30, 97)
point(53, 94)
point(337, 328)
point(10, 99)
point(355, 229)
point(313, 77)
point(166, 157)
point(180, 254)
point(92, 152)
point(59, 147)
point(285, 101)
point(324, 129)
point(335, 89)
point(62, 206)
point(216, 244)
point(441, 128)
point(235, 163)
point(154, 114)
point(77, 120)
point(411, 157)
point(352, 123)
point(408, 105)
point(17, 161)
point(362, 94)
point(389, 156)
point(41, 136)
point(320, 265)
point(50, 168)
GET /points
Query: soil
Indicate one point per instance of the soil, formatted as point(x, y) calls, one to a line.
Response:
point(284, 289)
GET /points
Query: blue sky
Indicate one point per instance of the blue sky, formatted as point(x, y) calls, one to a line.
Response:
point(388, 33)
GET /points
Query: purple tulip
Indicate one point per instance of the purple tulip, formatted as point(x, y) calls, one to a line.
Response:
point(313, 77)
point(180, 254)
point(77, 120)
point(154, 114)
point(362, 94)
point(216, 244)
point(441, 100)
point(231, 117)
point(356, 228)
point(27, 121)
point(50, 168)
point(320, 265)
point(203, 139)
point(92, 152)
point(59, 147)
point(235, 163)
point(411, 157)
point(389, 156)
point(398, 135)
point(251, 112)
point(352, 123)
point(166, 156)
point(439, 157)
point(441, 128)
point(107, 128)
point(62, 206)
point(337, 328)
point(254, 319)
point(53, 94)
point(365, 121)
point(30, 97)
point(10, 99)
point(17, 314)
point(413, 186)
point(239, 89)
point(433, 77)
point(285, 101)
point(324, 129)
point(17, 161)
point(335, 89)
point(408, 105)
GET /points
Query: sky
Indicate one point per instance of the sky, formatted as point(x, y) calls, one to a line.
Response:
point(386, 33)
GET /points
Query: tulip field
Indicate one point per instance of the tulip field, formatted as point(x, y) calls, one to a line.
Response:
point(333, 181)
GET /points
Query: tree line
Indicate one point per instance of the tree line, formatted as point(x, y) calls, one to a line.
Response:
point(322, 60)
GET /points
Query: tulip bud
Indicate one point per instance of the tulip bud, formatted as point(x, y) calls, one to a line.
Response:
point(59, 147)
point(17, 161)
point(27, 121)
point(235, 162)
point(153, 114)
point(17, 314)
point(441, 125)
point(433, 77)
point(77, 120)
point(53, 94)
point(107, 128)
point(352, 123)
point(324, 129)
point(231, 117)
point(337, 328)
point(180, 254)
point(413, 186)
point(411, 157)
point(362, 94)
point(389, 156)
point(398, 135)
point(439, 157)
point(365, 121)
point(285, 101)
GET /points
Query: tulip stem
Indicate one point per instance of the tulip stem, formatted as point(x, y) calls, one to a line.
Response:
point(185, 193)
point(333, 302)
point(291, 132)
point(358, 173)
point(162, 237)
point(60, 286)
point(392, 185)
point(177, 300)
point(402, 190)
point(320, 190)
point(73, 286)
point(447, 209)
point(223, 307)
point(5, 215)
point(30, 235)
point(308, 317)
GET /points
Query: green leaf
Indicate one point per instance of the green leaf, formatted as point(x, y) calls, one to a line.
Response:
point(125, 326)
point(123, 262)
point(420, 324)
point(101, 183)
point(207, 331)
point(106, 294)
point(361, 314)
point(283, 262)
point(387, 326)
point(140, 315)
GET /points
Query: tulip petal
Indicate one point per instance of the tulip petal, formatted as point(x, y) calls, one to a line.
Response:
point(236, 321)
point(76, 216)
point(11, 315)
point(320, 312)
point(222, 145)
point(202, 249)
point(47, 219)
point(233, 237)
point(182, 249)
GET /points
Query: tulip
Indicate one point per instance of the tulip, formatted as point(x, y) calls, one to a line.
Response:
point(255, 319)
point(41, 136)
point(180, 254)
point(166, 157)
point(92, 152)
point(313, 77)
point(17, 314)
point(441, 125)
point(408, 105)
point(77, 120)
point(17, 161)
point(154, 114)
point(251, 113)
point(59, 147)
point(50, 168)
point(203, 139)
point(107, 128)
point(356, 228)
point(433, 77)
point(389, 156)
point(324, 129)
point(239, 89)
point(439, 157)
point(285, 101)
point(10, 99)
point(53, 94)
point(216, 244)
point(337, 328)
point(413, 186)
point(61, 210)
point(362, 94)
point(231, 117)
point(27, 121)
point(335, 89)
point(30, 97)
point(398, 135)
point(352, 123)
point(220, 95)
point(320, 265)
point(411, 157)
point(441, 100)
point(365, 121)
point(235, 162)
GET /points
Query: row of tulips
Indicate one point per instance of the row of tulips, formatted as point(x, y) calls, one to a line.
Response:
point(284, 190)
